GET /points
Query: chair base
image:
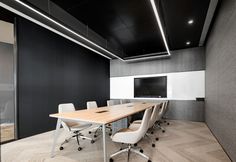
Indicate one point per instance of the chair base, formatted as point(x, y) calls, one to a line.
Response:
point(129, 149)
point(77, 136)
point(158, 125)
point(98, 131)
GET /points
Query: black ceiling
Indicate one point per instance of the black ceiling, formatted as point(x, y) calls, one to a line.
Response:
point(128, 23)
point(132, 25)
point(6, 15)
point(175, 15)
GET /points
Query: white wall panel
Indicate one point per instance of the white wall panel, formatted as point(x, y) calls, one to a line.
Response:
point(6, 32)
point(180, 86)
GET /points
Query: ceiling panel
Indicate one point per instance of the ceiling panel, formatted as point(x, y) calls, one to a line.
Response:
point(176, 14)
point(131, 24)
point(6, 15)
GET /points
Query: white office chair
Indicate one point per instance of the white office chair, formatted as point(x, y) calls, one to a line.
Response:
point(154, 117)
point(165, 111)
point(132, 136)
point(113, 102)
point(124, 101)
point(122, 123)
point(74, 128)
point(93, 105)
point(160, 116)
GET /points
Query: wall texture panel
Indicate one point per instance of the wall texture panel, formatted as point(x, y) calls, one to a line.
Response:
point(192, 59)
point(187, 60)
point(220, 112)
point(53, 70)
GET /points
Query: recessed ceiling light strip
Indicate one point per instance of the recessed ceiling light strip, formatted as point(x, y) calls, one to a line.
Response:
point(69, 30)
point(160, 25)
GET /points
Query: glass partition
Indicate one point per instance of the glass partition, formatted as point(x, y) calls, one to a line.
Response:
point(7, 90)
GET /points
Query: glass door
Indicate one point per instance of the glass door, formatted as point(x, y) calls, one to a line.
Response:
point(7, 80)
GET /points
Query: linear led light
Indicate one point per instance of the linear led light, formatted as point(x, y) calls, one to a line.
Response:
point(50, 28)
point(160, 25)
point(69, 30)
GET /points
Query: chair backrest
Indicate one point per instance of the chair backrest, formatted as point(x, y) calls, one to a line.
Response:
point(161, 111)
point(154, 115)
point(92, 105)
point(144, 125)
point(113, 102)
point(166, 107)
point(124, 101)
point(66, 107)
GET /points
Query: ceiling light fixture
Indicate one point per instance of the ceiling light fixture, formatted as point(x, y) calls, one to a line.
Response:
point(66, 28)
point(188, 43)
point(190, 22)
point(160, 25)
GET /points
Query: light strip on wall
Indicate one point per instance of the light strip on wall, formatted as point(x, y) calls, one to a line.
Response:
point(69, 30)
point(160, 25)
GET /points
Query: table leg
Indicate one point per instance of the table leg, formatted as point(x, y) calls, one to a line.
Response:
point(104, 142)
point(56, 134)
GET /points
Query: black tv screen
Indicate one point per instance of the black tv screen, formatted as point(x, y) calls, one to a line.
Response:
point(154, 87)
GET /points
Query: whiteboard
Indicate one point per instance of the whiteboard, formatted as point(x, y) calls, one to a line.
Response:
point(180, 86)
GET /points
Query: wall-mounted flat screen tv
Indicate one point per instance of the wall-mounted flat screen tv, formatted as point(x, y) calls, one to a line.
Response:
point(152, 87)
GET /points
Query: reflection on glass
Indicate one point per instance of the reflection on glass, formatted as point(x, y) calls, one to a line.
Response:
point(7, 115)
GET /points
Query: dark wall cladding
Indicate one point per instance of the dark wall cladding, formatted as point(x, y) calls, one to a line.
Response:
point(53, 70)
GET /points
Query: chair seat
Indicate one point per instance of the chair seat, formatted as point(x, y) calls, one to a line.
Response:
point(135, 126)
point(137, 121)
point(124, 135)
point(79, 126)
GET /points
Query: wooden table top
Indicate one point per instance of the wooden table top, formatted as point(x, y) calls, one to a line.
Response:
point(104, 115)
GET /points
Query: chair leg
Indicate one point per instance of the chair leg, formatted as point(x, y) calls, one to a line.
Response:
point(130, 149)
point(151, 139)
point(66, 141)
point(163, 129)
point(118, 152)
point(140, 153)
point(77, 139)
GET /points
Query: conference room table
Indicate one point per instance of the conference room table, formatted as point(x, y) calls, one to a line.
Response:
point(101, 116)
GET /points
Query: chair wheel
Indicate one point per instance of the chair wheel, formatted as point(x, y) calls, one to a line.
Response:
point(163, 131)
point(110, 134)
point(92, 141)
point(152, 132)
point(157, 139)
point(135, 144)
point(61, 148)
point(168, 123)
point(120, 149)
point(95, 136)
point(141, 150)
point(89, 132)
point(111, 160)
point(149, 161)
point(153, 145)
point(83, 138)
point(79, 148)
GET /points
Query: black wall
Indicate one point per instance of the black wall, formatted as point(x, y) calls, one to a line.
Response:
point(53, 70)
